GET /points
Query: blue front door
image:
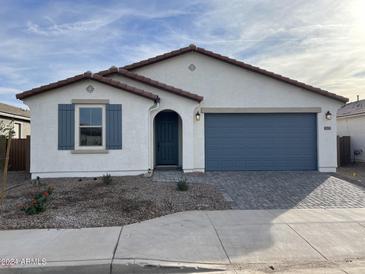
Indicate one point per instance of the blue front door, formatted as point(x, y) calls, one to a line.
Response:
point(167, 140)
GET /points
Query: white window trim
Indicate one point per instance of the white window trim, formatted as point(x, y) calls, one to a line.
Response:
point(77, 127)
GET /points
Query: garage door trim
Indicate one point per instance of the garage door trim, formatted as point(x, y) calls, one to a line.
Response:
point(265, 146)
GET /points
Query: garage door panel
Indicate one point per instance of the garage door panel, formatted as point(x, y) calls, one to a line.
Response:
point(305, 139)
point(257, 122)
point(255, 133)
point(288, 156)
point(248, 131)
point(231, 165)
point(261, 141)
point(264, 158)
point(253, 153)
point(261, 144)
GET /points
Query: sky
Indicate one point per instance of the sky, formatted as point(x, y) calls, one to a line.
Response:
point(319, 42)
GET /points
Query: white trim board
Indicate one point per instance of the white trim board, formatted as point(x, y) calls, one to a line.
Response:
point(260, 110)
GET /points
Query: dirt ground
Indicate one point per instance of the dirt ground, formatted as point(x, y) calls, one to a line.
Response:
point(91, 203)
point(354, 172)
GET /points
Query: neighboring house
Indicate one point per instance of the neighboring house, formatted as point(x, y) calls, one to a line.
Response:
point(20, 118)
point(189, 108)
point(351, 122)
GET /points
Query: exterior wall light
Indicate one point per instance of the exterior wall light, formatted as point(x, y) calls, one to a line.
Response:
point(197, 116)
point(328, 115)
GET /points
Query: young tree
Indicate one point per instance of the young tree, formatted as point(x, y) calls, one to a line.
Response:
point(6, 130)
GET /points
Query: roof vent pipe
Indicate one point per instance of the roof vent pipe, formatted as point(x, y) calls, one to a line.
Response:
point(358, 98)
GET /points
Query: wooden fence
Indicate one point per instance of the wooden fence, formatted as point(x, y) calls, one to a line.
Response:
point(343, 150)
point(2, 151)
point(19, 158)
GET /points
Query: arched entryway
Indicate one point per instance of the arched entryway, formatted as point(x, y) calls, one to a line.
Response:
point(168, 139)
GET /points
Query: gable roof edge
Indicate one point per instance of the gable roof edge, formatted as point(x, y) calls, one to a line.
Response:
point(151, 82)
point(87, 76)
point(193, 48)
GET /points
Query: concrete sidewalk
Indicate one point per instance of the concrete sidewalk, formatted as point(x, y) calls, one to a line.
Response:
point(232, 241)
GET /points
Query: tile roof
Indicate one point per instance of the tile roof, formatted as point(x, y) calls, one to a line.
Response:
point(151, 82)
point(14, 110)
point(353, 108)
point(87, 76)
point(193, 48)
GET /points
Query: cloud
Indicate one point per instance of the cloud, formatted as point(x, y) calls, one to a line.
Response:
point(360, 74)
point(319, 42)
point(49, 27)
point(18, 104)
point(7, 90)
point(52, 29)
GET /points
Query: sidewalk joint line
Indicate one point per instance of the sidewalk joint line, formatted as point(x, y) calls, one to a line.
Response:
point(115, 249)
point(219, 239)
point(170, 261)
point(308, 242)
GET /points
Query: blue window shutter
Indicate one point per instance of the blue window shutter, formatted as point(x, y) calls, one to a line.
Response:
point(66, 126)
point(113, 126)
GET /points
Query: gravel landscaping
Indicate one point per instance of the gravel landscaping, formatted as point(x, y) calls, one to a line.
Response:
point(91, 203)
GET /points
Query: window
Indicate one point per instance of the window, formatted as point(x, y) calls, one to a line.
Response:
point(90, 126)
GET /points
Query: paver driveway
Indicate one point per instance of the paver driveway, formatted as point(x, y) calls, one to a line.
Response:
point(279, 190)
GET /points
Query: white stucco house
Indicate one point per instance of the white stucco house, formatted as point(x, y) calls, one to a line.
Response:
point(190, 108)
point(351, 122)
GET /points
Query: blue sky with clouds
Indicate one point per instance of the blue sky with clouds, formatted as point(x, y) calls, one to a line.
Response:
point(320, 42)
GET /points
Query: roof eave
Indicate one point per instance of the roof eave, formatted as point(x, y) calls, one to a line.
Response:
point(15, 116)
point(350, 115)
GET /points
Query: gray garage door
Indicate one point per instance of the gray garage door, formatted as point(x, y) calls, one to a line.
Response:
point(263, 141)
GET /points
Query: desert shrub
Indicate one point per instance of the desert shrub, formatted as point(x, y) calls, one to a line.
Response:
point(38, 203)
point(107, 179)
point(182, 184)
point(169, 204)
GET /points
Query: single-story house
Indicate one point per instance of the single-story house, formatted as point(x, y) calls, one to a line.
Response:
point(189, 108)
point(19, 117)
point(351, 122)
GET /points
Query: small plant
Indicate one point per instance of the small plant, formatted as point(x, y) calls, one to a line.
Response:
point(38, 203)
point(182, 184)
point(37, 181)
point(107, 179)
point(169, 204)
point(50, 190)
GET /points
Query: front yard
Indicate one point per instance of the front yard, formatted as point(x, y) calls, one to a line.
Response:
point(92, 203)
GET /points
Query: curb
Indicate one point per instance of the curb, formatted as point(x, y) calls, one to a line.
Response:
point(116, 266)
point(72, 267)
point(156, 266)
